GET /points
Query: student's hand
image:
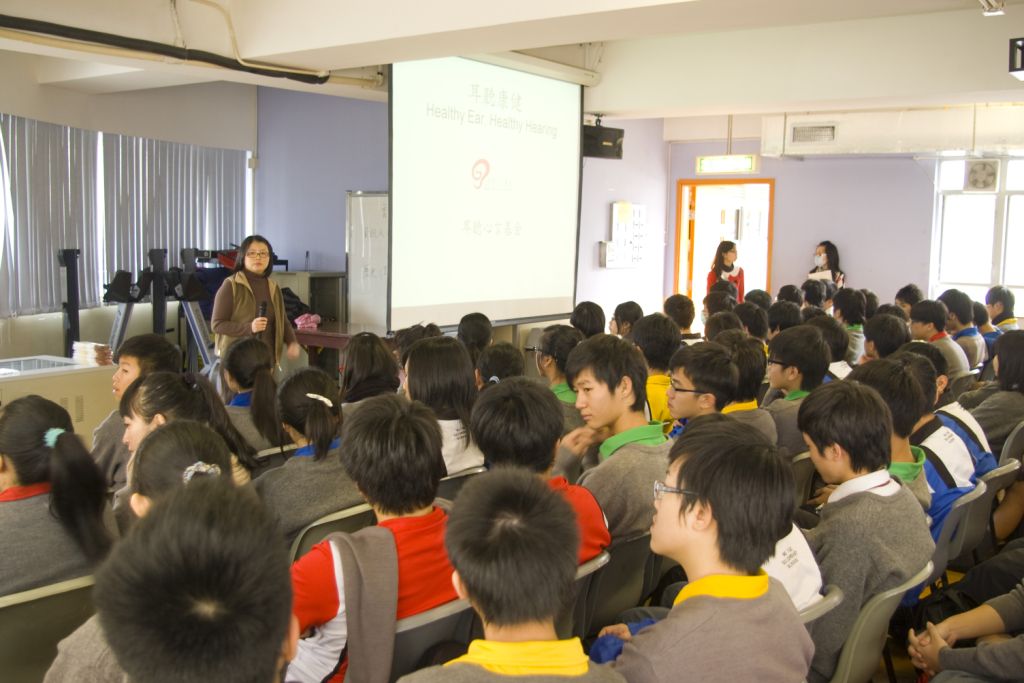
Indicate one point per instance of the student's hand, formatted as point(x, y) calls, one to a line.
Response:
point(822, 494)
point(579, 440)
point(924, 649)
point(258, 325)
point(293, 350)
point(620, 631)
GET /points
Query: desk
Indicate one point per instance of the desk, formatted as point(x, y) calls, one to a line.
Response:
point(331, 335)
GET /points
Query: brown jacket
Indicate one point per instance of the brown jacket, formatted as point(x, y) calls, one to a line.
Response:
point(243, 312)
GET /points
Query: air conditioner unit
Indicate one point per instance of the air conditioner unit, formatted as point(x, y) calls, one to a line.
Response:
point(981, 175)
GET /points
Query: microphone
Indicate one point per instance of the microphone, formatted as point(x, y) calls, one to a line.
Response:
point(261, 312)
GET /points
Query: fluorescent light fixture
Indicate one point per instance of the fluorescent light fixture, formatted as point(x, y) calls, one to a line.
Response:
point(992, 8)
point(1017, 58)
point(728, 163)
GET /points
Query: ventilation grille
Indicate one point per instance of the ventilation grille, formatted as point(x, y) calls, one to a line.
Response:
point(814, 133)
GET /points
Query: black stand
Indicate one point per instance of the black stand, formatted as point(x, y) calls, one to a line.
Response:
point(158, 260)
point(68, 260)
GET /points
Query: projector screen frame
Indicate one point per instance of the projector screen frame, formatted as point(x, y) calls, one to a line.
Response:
point(579, 211)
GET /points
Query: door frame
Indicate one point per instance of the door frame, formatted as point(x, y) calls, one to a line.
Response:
point(695, 182)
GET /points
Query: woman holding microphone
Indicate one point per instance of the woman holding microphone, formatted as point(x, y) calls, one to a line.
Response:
point(250, 303)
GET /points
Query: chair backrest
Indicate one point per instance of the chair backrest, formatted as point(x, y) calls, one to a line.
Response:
point(348, 520)
point(574, 621)
point(415, 635)
point(453, 483)
point(1001, 477)
point(949, 536)
point(863, 648)
point(829, 601)
point(1013, 447)
point(618, 585)
point(270, 458)
point(975, 523)
point(965, 383)
point(34, 621)
point(803, 475)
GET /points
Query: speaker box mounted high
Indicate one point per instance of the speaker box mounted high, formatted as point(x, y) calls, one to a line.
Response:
point(602, 142)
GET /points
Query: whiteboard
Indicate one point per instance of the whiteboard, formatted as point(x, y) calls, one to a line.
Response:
point(366, 241)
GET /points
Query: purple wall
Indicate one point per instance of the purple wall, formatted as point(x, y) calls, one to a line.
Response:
point(312, 149)
point(878, 211)
point(641, 177)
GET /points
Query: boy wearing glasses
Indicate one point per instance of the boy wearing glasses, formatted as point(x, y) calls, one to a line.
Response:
point(726, 501)
point(798, 359)
point(702, 381)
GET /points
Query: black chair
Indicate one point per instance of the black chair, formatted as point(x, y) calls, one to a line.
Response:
point(453, 483)
point(348, 520)
point(574, 621)
point(415, 635)
point(619, 585)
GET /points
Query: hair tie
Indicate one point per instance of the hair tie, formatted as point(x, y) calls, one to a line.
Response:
point(50, 437)
point(494, 379)
point(323, 399)
point(200, 468)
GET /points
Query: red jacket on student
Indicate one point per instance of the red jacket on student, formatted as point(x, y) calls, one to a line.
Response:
point(594, 536)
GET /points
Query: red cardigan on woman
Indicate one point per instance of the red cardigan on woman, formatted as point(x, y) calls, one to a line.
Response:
point(735, 277)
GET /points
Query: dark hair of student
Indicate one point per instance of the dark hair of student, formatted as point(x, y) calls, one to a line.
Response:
point(406, 337)
point(909, 294)
point(718, 264)
point(958, 304)
point(850, 304)
point(870, 303)
point(77, 488)
point(199, 591)
point(930, 311)
point(558, 341)
point(717, 302)
point(832, 254)
point(475, 332)
point(790, 293)
point(804, 348)
point(185, 396)
point(719, 322)
point(887, 332)
point(814, 292)
point(892, 309)
point(895, 383)
point(1004, 296)
point(318, 422)
point(152, 352)
point(923, 370)
point(168, 451)
point(370, 369)
point(626, 314)
point(498, 362)
point(1009, 352)
point(250, 363)
point(830, 290)
point(610, 359)
point(657, 337)
point(810, 312)
point(393, 453)
point(679, 308)
point(244, 248)
point(735, 471)
point(747, 355)
point(441, 376)
point(759, 297)
point(980, 314)
point(725, 287)
point(588, 318)
point(754, 319)
point(710, 368)
point(513, 542)
point(852, 416)
point(518, 423)
point(834, 334)
point(783, 315)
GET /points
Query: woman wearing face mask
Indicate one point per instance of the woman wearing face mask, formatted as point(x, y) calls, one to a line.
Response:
point(724, 268)
point(826, 258)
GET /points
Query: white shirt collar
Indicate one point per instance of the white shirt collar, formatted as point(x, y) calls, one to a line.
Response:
point(878, 482)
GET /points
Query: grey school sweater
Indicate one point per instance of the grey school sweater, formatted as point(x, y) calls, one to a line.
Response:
point(241, 418)
point(761, 420)
point(998, 661)
point(303, 490)
point(711, 639)
point(85, 657)
point(470, 673)
point(109, 451)
point(998, 415)
point(784, 413)
point(865, 544)
point(623, 485)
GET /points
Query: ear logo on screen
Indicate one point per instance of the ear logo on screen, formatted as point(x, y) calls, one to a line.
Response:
point(480, 170)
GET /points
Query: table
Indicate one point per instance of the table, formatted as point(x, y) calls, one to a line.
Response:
point(331, 335)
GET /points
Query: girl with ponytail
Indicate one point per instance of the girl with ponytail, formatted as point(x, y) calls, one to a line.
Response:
point(313, 482)
point(52, 498)
point(249, 371)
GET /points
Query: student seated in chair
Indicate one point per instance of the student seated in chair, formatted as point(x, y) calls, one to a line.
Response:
point(655, 335)
point(748, 356)
point(727, 499)
point(679, 308)
point(513, 544)
point(518, 423)
point(610, 377)
point(350, 588)
point(873, 535)
point(961, 328)
point(928, 324)
point(703, 381)
point(797, 361)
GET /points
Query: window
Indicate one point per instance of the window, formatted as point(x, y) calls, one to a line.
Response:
point(979, 235)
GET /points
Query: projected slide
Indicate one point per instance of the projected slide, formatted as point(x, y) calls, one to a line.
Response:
point(484, 192)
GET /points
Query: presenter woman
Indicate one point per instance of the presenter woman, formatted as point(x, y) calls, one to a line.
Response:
point(826, 258)
point(724, 268)
point(250, 304)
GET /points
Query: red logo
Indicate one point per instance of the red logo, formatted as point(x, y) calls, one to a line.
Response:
point(480, 170)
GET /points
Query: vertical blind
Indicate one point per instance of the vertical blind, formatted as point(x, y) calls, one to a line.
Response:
point(114, 197)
